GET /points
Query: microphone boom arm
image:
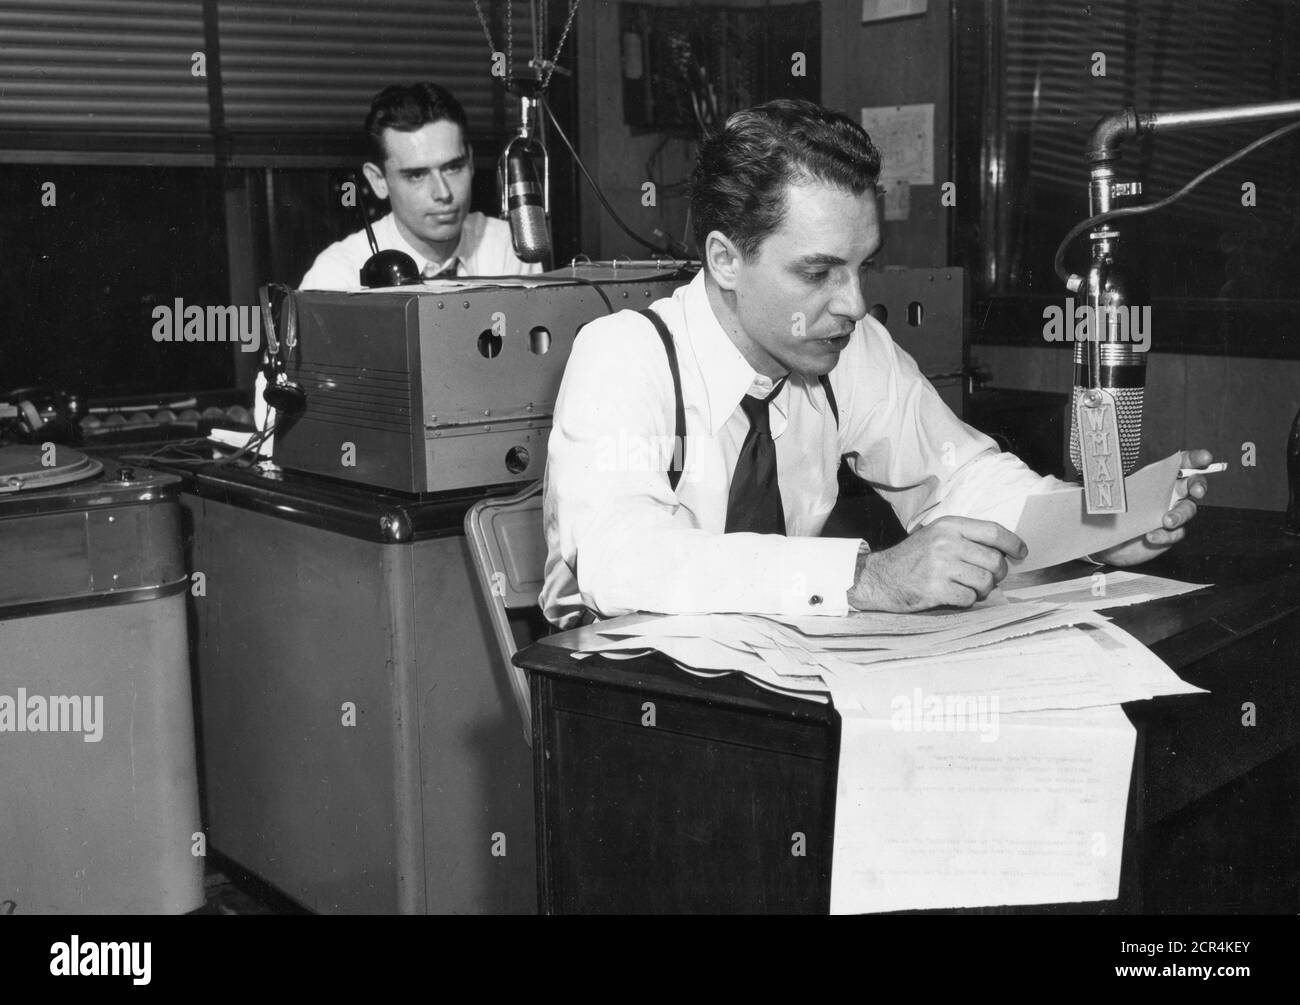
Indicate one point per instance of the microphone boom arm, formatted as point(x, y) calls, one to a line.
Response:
point(1112, 130)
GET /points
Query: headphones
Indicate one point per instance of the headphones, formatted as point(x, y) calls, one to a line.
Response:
point(282, 394)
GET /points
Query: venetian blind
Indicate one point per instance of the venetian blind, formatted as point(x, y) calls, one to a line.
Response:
point(103, 81)
point(283, 81)
point(1160, 55)
point(297, 78)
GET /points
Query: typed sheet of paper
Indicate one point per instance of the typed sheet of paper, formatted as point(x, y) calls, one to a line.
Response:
point(930, 815)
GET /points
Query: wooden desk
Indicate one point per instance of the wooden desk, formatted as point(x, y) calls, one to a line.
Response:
point(700, 812)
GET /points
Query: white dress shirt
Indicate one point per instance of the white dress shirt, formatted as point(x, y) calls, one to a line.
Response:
point(484, 249)
point(619, 539)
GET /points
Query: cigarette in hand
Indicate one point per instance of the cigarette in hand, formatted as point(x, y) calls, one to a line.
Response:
point(1213, 469)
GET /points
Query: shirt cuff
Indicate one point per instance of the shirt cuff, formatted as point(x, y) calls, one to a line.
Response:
point(824, 572)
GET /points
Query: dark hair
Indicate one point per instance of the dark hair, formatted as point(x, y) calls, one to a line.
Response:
point(408, 107)
point(738, 186)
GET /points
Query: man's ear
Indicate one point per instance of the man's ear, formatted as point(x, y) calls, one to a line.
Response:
point(723, 259)
point(375, 176)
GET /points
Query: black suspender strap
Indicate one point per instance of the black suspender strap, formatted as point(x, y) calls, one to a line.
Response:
point(678, 463)
point(679, 422)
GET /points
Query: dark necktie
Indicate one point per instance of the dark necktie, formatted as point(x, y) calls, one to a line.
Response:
point(754, 503)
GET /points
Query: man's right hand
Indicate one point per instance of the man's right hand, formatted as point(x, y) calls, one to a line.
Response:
point(952, 562)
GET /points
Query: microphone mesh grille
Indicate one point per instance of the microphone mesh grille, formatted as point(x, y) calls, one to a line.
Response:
point(529, 233)
point(1128, 409)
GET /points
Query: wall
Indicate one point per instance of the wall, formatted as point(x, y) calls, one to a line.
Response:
point(611, 152)
point(902, 62)
point(898, 62)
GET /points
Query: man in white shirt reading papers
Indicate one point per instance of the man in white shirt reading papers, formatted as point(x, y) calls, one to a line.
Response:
point(781, 373)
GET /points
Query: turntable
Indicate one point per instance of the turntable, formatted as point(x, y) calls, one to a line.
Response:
point(30, 468)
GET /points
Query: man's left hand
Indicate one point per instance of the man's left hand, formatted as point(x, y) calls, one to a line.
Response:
point(1174, 524)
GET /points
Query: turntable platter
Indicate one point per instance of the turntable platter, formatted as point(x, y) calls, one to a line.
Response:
point(30, 467)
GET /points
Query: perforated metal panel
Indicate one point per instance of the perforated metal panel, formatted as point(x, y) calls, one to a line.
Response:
point(925, 312)
point(438, 391)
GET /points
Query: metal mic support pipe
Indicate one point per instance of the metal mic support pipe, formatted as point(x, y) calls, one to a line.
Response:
point(1112, 130)
point(1170, 121)
point(527, 110)
point(525, 116)
point(1092, 346)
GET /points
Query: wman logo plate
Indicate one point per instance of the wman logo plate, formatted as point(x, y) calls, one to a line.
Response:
point(1103, 471)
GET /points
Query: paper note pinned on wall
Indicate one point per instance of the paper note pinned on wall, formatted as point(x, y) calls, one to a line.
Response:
point(887, 10)
point(904, 135)
point(1056, 528)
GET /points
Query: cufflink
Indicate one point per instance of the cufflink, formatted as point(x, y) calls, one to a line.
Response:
point(814, 600)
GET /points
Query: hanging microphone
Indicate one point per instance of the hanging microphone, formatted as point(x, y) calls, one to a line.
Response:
point(525, 201)
point(524, 207)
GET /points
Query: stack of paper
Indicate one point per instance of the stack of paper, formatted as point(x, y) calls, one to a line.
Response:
point(983, 758)
point(1102, 590)
point(1037, 655)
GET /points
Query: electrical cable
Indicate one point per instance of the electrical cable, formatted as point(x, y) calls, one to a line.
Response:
point(1058, 260)
point(677, 273)
point(609, 306)
point(163, 452)
point(672, 252)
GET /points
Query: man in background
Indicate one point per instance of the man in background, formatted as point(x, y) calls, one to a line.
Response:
point(421, 162)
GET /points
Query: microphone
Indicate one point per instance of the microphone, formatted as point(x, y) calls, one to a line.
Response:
point(1120, 362)
point(522, 196)
point(524, 199)
point(1110, 369)
point(1109, 365)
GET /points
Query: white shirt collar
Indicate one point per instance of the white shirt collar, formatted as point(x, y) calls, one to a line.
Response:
point(728, 377)
point(471, 234)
